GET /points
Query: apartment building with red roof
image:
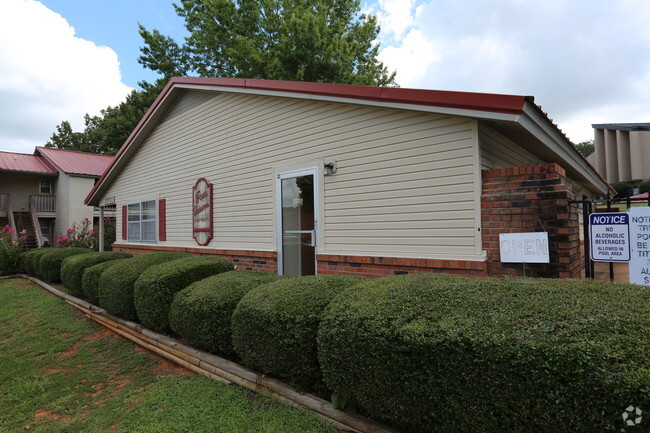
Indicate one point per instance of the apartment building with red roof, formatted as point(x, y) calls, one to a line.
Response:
point(43, 192)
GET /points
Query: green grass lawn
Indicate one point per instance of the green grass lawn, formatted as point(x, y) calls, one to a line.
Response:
point(60, 372)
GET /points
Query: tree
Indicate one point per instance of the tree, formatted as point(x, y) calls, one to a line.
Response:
point(585, 147)
point(65, 138)
point(298, 40)
point(326, 41)
point(105, 133)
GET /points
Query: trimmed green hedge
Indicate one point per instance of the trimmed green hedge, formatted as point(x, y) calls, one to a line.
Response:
point(31, 258)
point(72, 268)
point(274, 327)
point(155, 289)
point(90, 279)
point(49, 265)
point(452, 354)
point(115, 291)
point(22, 258)
point(202, 312)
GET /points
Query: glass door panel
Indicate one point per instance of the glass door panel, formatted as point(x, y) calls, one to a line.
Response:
point(298, 228)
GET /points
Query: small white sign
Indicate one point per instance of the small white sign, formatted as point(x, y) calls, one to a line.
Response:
point(610, 236)
point(640, 239)
point(524, 247)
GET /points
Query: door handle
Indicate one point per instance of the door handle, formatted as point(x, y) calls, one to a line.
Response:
point(312, 235)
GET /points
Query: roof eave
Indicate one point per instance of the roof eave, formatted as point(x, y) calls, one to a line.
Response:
point(538, 124)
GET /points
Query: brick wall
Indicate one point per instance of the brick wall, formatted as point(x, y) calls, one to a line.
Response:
point(531, 199)
point(243, 260)
point(374, 267)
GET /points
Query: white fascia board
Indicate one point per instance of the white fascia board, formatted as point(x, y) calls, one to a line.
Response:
point(477, 114)
point(539, 125)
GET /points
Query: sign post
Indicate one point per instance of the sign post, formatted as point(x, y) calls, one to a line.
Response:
point(640, 237)
point(610, 237)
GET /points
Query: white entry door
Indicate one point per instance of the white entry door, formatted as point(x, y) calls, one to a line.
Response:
point(297, 211)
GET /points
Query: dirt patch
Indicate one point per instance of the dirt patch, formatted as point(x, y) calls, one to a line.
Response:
point(101, 334)
point(165, 368)
point(46, 416)
point(6, 340)
point(70, 350)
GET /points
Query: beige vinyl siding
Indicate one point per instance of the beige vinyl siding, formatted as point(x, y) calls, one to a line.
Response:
point(404, 186)
point(21, 186)
point(498, 151)
point(62, 205)
point(79, 187)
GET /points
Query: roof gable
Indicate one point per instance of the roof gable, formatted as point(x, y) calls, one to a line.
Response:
point(513, 109)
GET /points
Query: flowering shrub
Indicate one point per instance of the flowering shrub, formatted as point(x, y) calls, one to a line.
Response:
point(85, 235)
point(10, 249)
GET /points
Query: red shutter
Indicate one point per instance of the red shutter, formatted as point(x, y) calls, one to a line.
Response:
point(124, 219)
point(162, 220)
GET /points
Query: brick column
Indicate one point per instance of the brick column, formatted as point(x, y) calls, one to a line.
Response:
point(531, 199)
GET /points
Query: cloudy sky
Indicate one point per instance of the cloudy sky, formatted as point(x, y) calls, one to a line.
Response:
point(585, 61)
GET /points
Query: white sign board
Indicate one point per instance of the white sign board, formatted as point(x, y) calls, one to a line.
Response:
point(640, 237)
point(524, 247)
point(610, 237)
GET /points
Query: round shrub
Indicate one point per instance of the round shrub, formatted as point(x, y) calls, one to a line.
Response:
point(155, 289)
point(49, 265)
point(90, 279)
point(274, 327)
point(72, 268)
point(32, 257)
point(452, 354)
point(115, 289)
point(202, 312)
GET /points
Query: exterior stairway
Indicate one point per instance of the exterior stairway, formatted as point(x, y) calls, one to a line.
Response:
point(24, 222)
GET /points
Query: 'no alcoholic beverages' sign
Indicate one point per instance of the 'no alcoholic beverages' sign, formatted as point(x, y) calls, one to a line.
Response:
point(640, 236)
point(610, 237)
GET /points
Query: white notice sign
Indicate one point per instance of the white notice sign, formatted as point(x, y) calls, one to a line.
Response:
point(524, 247)
point(640, 239)
point(610, 234)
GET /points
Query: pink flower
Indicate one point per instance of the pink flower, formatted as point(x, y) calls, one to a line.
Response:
point(24, 232)
point(69, 230)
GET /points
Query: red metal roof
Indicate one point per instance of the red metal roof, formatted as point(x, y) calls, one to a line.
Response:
point(511, 104)
point(72, 162)
point(25, 162)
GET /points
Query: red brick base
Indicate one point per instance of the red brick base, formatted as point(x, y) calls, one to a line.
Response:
point(374, 267)
point(249, 260)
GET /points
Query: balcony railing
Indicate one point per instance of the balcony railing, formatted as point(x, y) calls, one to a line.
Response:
point(43, 203)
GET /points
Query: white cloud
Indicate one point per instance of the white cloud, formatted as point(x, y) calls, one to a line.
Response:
point(583, 60)
point(412, 59)
point(48, 75)
point(395, 16)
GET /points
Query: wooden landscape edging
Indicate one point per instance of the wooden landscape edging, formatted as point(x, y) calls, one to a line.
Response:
point(217, 368)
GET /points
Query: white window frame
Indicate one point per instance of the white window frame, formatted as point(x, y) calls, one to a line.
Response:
point(141, 220)
point(43, 183)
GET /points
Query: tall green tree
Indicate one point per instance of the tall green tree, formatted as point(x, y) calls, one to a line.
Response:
point(300, 40)
point(328, 41)
point(585, 147)
point(106, 132)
